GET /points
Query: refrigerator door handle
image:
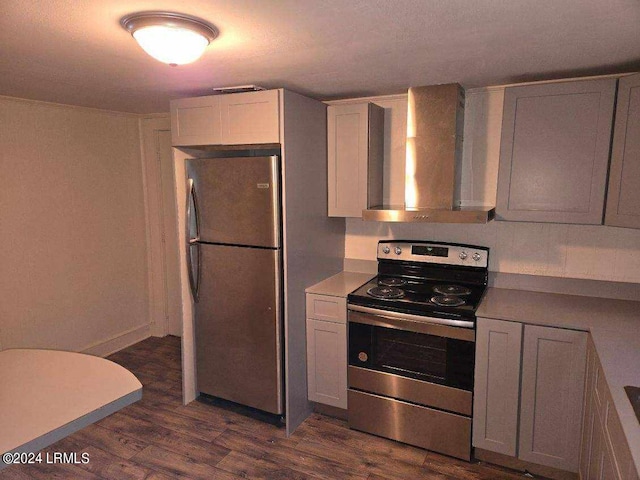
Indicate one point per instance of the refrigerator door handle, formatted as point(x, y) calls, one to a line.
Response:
point(194, 279)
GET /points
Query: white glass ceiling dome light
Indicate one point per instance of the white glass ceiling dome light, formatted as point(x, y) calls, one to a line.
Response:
point(172, 38)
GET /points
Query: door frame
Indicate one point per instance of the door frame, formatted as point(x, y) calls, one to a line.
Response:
point(149, 127)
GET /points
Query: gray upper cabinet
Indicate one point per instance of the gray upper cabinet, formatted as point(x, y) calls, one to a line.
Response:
point(354, 158)
point(554, 152)
point(623, 199)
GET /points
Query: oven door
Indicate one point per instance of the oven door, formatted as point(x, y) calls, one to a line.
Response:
point(433, 353)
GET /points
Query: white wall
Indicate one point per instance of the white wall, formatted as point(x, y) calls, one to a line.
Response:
point(73, 254)
point(575, 251)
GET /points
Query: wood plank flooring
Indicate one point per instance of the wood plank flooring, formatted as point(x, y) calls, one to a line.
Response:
point(158, 438)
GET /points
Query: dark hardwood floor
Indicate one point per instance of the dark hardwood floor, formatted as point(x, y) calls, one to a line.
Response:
point(158, 438)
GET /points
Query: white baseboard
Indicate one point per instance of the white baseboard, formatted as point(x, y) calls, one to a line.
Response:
point(117, 342)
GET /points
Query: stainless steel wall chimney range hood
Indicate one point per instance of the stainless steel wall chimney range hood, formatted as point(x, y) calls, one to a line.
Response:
point(434, 156)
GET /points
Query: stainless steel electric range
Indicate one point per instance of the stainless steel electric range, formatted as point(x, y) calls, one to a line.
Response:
point(412, 344)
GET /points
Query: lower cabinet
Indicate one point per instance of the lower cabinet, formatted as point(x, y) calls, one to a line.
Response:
point(497, 386)
point(327, 350)
point(551, 396)
point(529, 392)
point(604, 452)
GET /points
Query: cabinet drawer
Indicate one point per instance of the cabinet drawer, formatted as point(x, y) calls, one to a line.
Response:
point(327, 308)
point(424, 427)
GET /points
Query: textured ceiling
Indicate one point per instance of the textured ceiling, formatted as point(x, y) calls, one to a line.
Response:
point(75, 52)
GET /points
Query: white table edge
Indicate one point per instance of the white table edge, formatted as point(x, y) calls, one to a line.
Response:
point(59, 433)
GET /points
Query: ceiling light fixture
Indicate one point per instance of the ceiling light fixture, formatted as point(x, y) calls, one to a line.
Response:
point(172, 38)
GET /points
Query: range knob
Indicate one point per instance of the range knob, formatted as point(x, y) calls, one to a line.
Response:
point(463, 255)
point(386, 250)
point(398, 250)
point(476, 257)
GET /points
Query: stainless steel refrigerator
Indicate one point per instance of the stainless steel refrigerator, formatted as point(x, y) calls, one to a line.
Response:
point(235, 271)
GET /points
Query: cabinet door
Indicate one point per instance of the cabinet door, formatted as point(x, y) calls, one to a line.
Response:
point(589, 417)
point(355, 154)
point(596, 460)
point(250, 118)
point(553, 370)
point(327, 362)
point(497, 385)
point(617, 442)
point(195, 121)
point(623, 201)
point(608, 468)
point(554, 152)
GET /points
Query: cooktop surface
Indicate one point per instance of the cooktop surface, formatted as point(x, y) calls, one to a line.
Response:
point(422, 297)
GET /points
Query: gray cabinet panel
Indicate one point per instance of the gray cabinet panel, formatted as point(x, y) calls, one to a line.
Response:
point(623, 201)
point(497, 386)
point(553, 370)
point(554, 151)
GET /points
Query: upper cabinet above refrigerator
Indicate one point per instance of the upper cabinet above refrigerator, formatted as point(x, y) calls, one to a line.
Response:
point(239, 119)
point(554, 151)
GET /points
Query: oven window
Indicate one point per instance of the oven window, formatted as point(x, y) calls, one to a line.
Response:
point(408, 352)
point(431, 358)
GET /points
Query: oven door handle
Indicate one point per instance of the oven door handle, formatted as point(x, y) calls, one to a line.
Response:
point(459, 329)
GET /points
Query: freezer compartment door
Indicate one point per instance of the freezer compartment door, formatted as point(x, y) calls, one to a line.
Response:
point(239, 326)
point(238, 199)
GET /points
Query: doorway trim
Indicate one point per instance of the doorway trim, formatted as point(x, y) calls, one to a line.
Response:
point(149, 127)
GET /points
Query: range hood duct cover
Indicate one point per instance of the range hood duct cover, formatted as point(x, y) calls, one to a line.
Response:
point(435, 121)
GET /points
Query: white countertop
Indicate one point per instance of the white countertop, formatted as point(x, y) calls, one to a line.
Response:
point(341, 284)
point(614, 326)
point(46, 395)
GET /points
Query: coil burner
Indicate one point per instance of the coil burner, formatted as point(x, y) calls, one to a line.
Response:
point(451, 290)
point(385, 292)
point(392, 282)
point(447, 301)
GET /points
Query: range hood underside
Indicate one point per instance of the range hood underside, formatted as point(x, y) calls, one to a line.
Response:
point(392, 213)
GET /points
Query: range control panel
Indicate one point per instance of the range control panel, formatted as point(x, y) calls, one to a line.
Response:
point(440, 253)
